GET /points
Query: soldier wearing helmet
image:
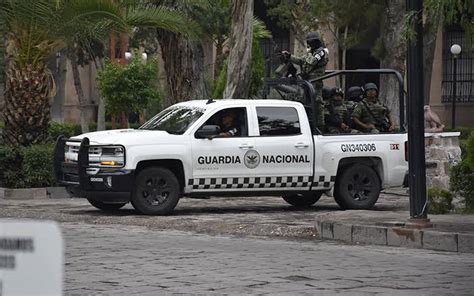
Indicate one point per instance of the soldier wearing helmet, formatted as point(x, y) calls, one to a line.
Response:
point(370, 115)
point(312, 65)
point(337, 116)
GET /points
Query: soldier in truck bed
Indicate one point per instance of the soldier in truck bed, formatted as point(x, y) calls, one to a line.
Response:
point(337, 116)
point(370, 116)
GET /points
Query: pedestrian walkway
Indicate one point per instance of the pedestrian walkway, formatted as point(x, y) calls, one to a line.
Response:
point(454, 232)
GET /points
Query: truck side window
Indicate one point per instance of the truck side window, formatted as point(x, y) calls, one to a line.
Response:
point(237, 127)
point(278, 121)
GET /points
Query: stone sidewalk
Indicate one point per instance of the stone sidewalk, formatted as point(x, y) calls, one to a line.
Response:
point(453, 233)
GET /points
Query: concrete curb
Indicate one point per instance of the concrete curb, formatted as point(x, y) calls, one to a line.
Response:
point(395, 236)
point(33, 193)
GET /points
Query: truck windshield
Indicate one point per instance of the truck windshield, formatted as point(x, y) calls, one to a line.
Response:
point(174, 120)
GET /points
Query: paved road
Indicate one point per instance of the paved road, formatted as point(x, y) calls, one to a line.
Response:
point(125, 260)
point(235, 246)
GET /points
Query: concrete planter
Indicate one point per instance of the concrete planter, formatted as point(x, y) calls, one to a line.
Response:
point(33, 193)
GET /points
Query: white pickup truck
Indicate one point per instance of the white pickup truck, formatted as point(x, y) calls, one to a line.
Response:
point(275, 151)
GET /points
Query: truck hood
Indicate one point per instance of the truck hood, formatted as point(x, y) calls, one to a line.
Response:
point(127, 137)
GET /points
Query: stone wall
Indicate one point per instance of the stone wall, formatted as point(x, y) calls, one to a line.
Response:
point(441, 151)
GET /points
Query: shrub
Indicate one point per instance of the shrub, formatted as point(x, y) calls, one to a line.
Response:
point(128, 88)
point(37, 166)
point(462, 182)
point(22, 167)
point(439, 201)
point(10, 163)
point(68, 130)
point(462, 175)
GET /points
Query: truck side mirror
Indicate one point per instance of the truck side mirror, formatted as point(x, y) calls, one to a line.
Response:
point(207, 130)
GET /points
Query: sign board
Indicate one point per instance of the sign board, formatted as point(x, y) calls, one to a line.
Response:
point(31, 258)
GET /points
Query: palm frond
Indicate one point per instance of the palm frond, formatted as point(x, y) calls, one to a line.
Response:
point(260, 30)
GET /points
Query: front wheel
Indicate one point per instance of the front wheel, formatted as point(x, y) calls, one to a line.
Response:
point(303, 200)
point(106, 207)
point(156, 191)
point(357, 187)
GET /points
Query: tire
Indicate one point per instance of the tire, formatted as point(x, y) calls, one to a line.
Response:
point(303, 200)
point(156, 191)
point(106, 207)
point(357, 187)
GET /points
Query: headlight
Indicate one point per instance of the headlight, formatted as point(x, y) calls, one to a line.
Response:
point(112, 156)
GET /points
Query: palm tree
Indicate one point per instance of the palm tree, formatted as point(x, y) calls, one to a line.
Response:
point(37, 29)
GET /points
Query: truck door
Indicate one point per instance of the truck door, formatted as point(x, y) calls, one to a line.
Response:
point(284, 147)
point(218, 164)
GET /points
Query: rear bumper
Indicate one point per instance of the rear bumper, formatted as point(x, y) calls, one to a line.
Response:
point(104, 182)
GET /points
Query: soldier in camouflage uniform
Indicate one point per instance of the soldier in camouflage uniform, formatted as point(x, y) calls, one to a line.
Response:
point(313, 65)
point(337, 116)
point(355, 94)
point(369, 115)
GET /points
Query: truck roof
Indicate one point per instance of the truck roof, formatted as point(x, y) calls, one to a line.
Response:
point(240, 102)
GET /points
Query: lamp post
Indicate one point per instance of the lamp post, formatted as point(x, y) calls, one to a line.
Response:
point(455, 51)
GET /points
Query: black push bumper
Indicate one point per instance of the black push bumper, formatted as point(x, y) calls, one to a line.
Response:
point(104, 185)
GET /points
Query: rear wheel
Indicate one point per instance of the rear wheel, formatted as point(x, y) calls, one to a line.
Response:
point(303, 200)
point(156, 191)
point(107, 207)
point(357, 187)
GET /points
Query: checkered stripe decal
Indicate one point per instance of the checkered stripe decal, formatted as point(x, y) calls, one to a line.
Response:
point(257, 182)
point(322, 182)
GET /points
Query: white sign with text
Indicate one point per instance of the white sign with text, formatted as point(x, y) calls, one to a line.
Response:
point(31, 258)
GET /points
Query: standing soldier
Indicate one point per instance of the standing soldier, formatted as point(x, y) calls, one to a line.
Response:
point(337, 116)
point(371, 116)
point(313, 65)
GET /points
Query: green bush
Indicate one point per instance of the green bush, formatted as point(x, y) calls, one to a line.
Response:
point(439, 201)
point(11, 175)
point(128, 88)
point(68, 130)
point(462, 175)
point(37, 166)
point(22, 167)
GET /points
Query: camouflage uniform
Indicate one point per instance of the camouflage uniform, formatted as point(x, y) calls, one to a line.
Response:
point(335, 115)
point(313, 65)
point(379, 111)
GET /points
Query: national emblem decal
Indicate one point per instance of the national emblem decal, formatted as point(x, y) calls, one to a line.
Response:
point(251, 159)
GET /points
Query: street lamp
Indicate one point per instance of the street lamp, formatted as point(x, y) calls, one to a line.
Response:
point(129, 56)
point(455, 51)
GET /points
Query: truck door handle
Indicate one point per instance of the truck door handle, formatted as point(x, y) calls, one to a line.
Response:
point(245, 146)
point(301, 145)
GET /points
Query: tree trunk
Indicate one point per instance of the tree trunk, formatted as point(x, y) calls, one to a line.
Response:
point(344, 56)
point(101, 105)
point(184, 67)
point(27, 110)
point(219, 58)
point(59, 73)
point(430, 32)
point(240, 55)
point(80, 93)
point(394, 57)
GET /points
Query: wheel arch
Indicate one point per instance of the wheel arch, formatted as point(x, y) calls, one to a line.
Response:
point(373, 162)
point(174, 165)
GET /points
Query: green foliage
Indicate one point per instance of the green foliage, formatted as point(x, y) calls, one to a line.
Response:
point(10, 162)
point(128, 88)
point(37, 166)
point(257, 69)
point(219, 85)
point(462, 174)
point(23, 167)
point(68, 130)
point(439, 201)
point(470, 151)
point(462, 182)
